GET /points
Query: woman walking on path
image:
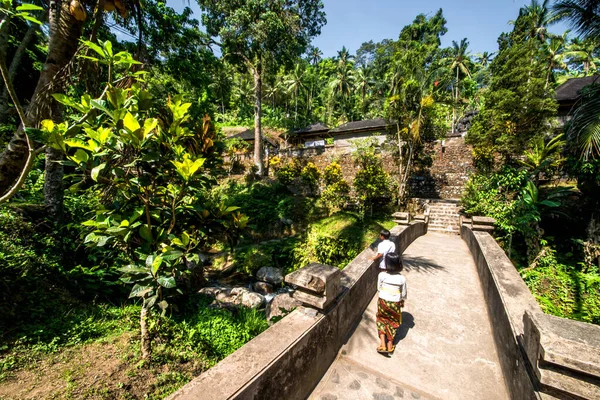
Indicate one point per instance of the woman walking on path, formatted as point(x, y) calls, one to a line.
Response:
point(392, 293)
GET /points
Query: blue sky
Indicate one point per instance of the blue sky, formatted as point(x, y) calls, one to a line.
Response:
point(352, 22)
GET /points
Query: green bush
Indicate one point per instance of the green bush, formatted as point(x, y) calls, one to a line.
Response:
point(252, 259)
point(310, 176)
point(562, 290)
point(494, 195)
point(288, 173)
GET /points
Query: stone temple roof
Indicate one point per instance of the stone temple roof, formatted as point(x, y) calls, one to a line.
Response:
point(570, 90)
point(248, 134)
point(317, 127)
point(369, 124)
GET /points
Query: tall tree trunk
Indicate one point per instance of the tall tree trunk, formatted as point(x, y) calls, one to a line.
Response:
point(402, 185)
point(65, 32)
point(258, 148)
point(53, 182)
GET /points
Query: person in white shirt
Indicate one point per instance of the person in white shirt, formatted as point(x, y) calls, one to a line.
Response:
point(384, 247)
point(391, 285)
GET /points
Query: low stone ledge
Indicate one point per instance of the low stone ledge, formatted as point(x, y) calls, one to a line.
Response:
point(317, 285)
point(541, 355)
point(289, 359)
point(565, 354)
point(507, 297)
point(401, 218)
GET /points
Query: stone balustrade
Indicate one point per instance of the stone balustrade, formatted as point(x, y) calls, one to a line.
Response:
point(542, 356)
point(288, 360)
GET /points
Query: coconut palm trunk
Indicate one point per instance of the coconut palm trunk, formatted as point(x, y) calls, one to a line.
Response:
point(65, 32)
point(258, 150)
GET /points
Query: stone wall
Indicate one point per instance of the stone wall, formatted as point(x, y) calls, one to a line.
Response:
point(324, 156)
point(441, 174)
point(451, 165)
point(541, 355)
point(289, 359)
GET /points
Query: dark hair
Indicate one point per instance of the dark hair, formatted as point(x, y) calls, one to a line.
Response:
point(385, 233)
point(393, 263)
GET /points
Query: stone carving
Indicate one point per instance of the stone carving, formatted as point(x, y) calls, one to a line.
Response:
point(317, 285)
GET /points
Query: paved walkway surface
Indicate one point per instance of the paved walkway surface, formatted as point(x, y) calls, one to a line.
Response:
point(445, 345)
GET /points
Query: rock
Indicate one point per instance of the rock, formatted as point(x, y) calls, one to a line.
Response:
point(215, 291)
point(280, 305)
point(252, 300)
point(263, 288)
point(270, 275)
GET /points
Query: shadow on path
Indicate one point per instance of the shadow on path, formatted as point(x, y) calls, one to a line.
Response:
point(421, 265)
point(408, 322)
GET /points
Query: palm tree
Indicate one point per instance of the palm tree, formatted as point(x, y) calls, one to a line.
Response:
point(294, 84)
point(582, 51)
point(583, 133)
point(363, 82)
point(315, 55)
point(342, 83)
point(484, 58)
point(582, 15)
point(539, 17)
point(458, 61)
point(555, 54)
point(274, 89)
point(344, 56)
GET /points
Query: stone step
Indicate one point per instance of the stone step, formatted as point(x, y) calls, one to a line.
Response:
point(560, 385)
point(442, 226)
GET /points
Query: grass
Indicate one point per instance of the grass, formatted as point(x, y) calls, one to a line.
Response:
point(94, 351)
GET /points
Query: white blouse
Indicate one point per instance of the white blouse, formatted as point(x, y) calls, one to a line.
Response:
point(391, 287)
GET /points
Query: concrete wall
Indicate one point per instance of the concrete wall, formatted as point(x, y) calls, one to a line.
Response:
point(290, 358)
point(541, 355)
point(508, 298)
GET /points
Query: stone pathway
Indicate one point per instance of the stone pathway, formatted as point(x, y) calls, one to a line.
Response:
point(446, 349)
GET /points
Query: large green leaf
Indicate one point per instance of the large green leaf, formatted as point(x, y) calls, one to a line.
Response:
point(156, 263)
point(171, 255)
point(167, 282)
point(130, 123)
point(29, 7)
point(145, 233)
point(96, 171)
point(140, 291)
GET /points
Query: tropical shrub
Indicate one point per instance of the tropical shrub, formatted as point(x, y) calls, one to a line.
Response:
point(154, 176)
point(372, 184)
point(288, 172)
point(310, 176)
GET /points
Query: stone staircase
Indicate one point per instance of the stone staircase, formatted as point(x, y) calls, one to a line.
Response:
point(444, 216)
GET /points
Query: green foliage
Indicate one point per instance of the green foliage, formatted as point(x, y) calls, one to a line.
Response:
point(371, 183)
point(211, 333)
point(338, 239)
point(270, 206)
point(519, 102)
point(161, 171)
point(562, 290)
point(310, 176)
point(494, 195)
point(337, 191)
point(288, 172)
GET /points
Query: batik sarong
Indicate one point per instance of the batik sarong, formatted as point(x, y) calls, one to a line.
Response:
point(389, 318)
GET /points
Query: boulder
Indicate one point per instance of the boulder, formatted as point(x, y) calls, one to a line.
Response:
point(263, 288)
point(215, 291)
point(281, 305)
point(270, 275)
point(252, 300)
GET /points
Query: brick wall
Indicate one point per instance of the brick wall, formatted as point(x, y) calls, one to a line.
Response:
point(440, 173)
point(451, 165)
